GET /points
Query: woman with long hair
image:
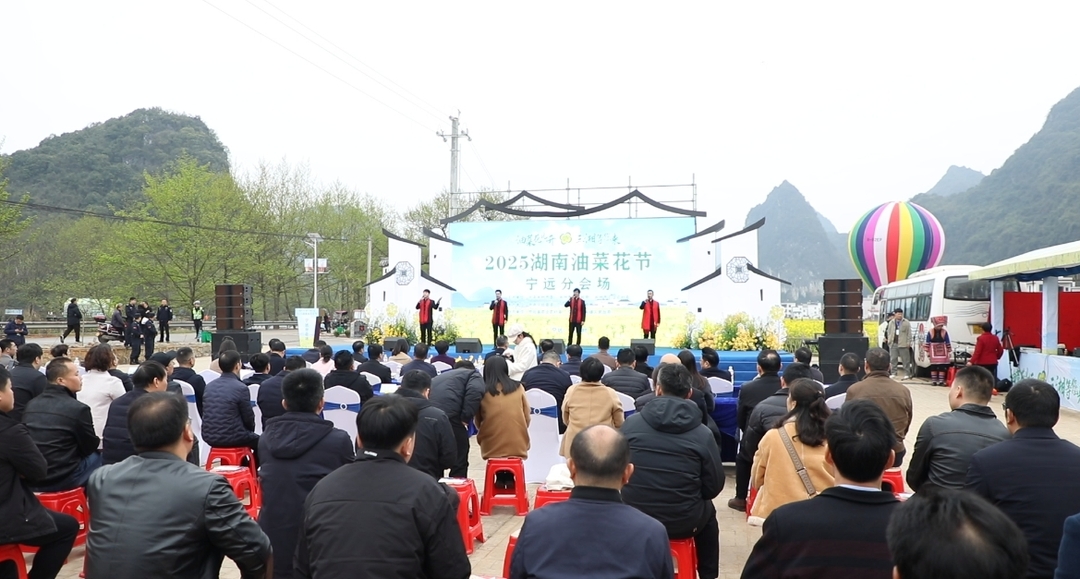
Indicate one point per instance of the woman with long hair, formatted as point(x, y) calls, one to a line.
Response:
point(503, 420)
point(99, 388)
point(774, 473)
point(400, 353)
point(326, 360)
point(939, 348)
point(524, 351)
point(699, 382)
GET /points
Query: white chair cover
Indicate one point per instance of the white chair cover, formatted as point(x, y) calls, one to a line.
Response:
point(372, 379)
point(209, 375)
point(395, 367)
point(341, 407)
point(835, 402)
point(246, 373)
point(253, 391)
point(721, 386)
point(574, 379)
point(627, 404)
point(543, 436)
point(607, 369)
point(441, 367)
point(196, 420)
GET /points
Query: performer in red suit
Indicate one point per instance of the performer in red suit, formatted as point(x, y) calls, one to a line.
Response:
point(650, 316)
point(427, 308)
point(577, 316)
point(500, 314)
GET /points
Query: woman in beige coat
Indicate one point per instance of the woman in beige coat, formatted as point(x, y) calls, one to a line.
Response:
point(503, 421)
point(773, 473)
point(589, 403)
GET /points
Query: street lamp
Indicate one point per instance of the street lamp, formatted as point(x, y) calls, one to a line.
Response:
point(314, 239)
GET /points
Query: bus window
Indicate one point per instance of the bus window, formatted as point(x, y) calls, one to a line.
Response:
point(961, 288)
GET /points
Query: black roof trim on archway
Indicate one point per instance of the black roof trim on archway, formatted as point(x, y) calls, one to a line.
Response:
point(542, 201)
point(434, 235)
point(424, 275)
point(392, 271)
point(635, 194)
point(747, 229)
point(753, 269)
point(400, 238)
point(705, 231)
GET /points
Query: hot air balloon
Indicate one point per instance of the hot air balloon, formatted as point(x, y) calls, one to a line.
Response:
point(893, 241)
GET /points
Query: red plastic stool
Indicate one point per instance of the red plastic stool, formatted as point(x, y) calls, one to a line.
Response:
point(14, 553)
point(242, 483)
point(518, 498)
point(892, 481)
point(750, 501)
point(468, 514)
point(684, 551)
point(72, 503)
point(510, 552)
point(545, 496)
point(233, 457)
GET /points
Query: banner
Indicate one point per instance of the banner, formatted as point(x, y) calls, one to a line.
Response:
point(1061, 372)
point(307, 323)
point(309, 264)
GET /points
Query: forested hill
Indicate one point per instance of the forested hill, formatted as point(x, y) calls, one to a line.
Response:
point(956, 180)
point(1032, 201)
point(104, 163)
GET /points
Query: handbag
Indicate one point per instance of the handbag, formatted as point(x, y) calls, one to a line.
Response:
point(811, 492)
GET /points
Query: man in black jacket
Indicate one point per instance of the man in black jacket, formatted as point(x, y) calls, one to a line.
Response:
point(115, 439)
point(436, 449)
point(416, 534)
point(625, 379)
point(458, 393)
point(63, 429)
point(419, 362)
point(358, 352)
point(277, 356)
point(374, 365)
point(641, 361)
point(1032, 476)
point(185, 372)
point(750, 395)
point(131, 314)
point(270, 394)
point(850, 364)
point(22, 518)
point(851, 518)
point(677, 470)
point(572, 366)
point(710, 365)
point(547, 376)
point(344, 375)
point(946, 442)
point(312, 354)
point(297, 450)
point(228, 421)
point(74, 321)
point(155, 515)
point(805, 356)
point(164, 316)
point(27, 381)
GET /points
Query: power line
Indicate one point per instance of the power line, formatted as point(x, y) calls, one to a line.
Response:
point(312, 63)
point(482, 163)
point(133, 218)
point(431, 109)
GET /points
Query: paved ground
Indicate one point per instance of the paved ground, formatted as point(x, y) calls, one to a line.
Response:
point(736, 537)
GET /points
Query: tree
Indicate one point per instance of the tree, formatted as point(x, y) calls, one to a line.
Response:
point(12, 223)
point(428, 213)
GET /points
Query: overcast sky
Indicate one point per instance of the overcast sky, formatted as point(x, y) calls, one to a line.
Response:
point(855, 103)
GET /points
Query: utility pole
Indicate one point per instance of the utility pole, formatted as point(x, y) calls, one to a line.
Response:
point(455, 150)
point(368, 272)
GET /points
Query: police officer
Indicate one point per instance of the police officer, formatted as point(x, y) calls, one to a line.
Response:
point(131, 316)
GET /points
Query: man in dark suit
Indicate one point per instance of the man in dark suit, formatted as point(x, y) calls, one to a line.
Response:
point(185, 372)
point(547, 376)
point(710, 365)
point(841, 532)
point(374, 366)
point(419, 362)
point(501, 344)
point(358, 352)
point(956, 534)
point(641, 361)
point(573, 360)
point(277, 356)
point(753, 392)
point(805, 356)
point(585, 535)
point(270, 392)
point(849, 374)
point(1032, 476)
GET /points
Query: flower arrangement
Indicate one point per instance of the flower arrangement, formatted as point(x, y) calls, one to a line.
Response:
point(382, 327)
point(737, 333)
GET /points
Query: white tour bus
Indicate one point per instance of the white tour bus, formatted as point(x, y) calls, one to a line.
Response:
point(939, 291)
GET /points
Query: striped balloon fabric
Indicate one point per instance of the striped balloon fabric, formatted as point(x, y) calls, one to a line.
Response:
point(893, 241)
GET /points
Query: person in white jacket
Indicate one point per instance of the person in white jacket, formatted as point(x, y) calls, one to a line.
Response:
point(99, 388)
point(524, 353)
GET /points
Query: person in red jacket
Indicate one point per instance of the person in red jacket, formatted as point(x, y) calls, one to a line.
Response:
point(427, 307)
point(988, 350)
point(577, 316)
point(650, 316)
point(500, 314)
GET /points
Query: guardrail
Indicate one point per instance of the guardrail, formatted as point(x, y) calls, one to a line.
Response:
point(49, 328)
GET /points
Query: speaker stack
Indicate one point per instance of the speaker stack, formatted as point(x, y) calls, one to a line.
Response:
point(234, 319)
point(843, 325)
point(650, 345)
